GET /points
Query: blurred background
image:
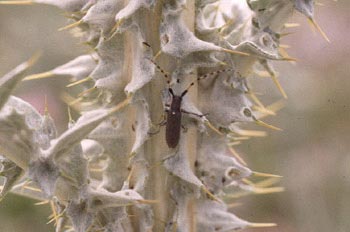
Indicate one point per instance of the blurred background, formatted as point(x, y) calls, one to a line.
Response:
point(312, 151)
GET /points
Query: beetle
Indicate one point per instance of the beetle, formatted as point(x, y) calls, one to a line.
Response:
point(173, 119)
point(174, 113)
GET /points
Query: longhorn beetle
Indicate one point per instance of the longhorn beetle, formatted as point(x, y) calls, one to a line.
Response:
point(174, 114)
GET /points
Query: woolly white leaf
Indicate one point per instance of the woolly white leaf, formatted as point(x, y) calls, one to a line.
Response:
point(91, 149)
point(108, 72)
point(79, 131)
point(272, 13)
point(178, 164)
point(113, 135)
point(78, 68)
point(220, 14)
point(104, 199)
point(224, 104)
point(45, 173)
point(143, 125)
point(305, 7)
point(11, 79)
point(142, 69)
point(263, 44)
point(213, 216)
point(173, 33)
point(101, 15)
point(182, 195)
point(14, 128)
point(46, 132)
point(81, 215)
point(32, 117)
point(133, 5)
point(215, 167)
point(11, 172)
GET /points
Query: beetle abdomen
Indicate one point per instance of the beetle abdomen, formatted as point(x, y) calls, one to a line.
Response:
point(173, 128)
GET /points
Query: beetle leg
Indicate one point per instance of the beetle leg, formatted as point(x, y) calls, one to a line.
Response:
point(198, 115)
point(151, 133)
point(184, 128)
point(159, 125)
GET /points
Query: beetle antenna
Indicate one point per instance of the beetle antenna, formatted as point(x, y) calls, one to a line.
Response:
point(171, 92)
point(166, 75)
point(205, 76)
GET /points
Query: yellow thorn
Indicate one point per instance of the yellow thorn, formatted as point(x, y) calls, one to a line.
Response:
point(46, 109)
point(42, 202)
point(289, 25)
point(75, 24)
point(261, 123)
point(79, 82)
point(32, 188)
point(54, 212)
point(237, 156)
point(87, 91)
point(291, 59)
point(121, 105)
point(319, 29)
point(262, 174)
point(75, 101)
point(255, 190)
point(276, 106)
point(285, 46)
point(69, 114)
point(262, 73)
point(96, 169)
point(24, 2)
point(248, 182)
point(209, 194)
point(68, 177)
point(158, 54)
point(207, 123)
point(267, 182)
point(237, 194)
point(234, 143)
point(259, 225)
point(285, 55)
point(71, 101)
point(55, 218)
point(251, 133)
point(131, 155)
point(39, 76)
point(235, 52)
point(263, 110)
point(223, 27)
point(114, 30)
point(240, 138)
point(286, 34)
point(258, 190)
point(279, 86)
point(222, 63)
point(32, 60)
point(255, 99)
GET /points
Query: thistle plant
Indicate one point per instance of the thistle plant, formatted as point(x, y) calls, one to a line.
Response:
point(112, 170)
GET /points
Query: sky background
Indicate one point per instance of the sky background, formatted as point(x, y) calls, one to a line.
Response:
point(312, 151)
